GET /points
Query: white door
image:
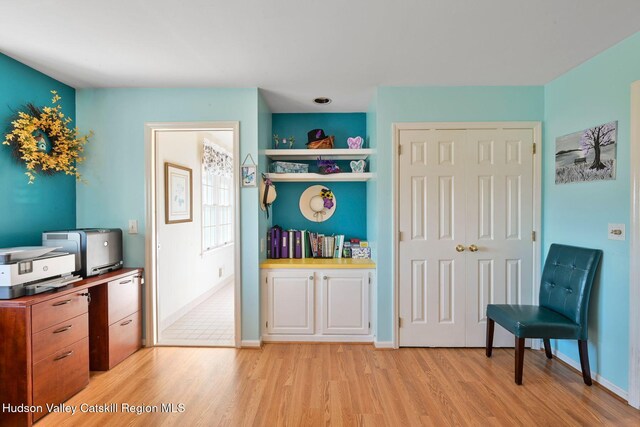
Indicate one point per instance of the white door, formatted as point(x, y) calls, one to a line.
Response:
point(290, 302)
point(432, 223)
point(462, 189)
point(345, 302)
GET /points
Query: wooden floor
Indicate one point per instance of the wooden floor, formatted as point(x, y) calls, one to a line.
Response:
point(331, 384)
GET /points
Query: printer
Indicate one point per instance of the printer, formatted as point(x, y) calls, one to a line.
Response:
point(30, 270)
point(96, 250)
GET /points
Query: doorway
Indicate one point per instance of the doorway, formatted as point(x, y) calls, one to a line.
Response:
point(194, 238)
point(466, 216)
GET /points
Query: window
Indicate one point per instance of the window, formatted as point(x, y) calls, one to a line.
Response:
point(217, 206)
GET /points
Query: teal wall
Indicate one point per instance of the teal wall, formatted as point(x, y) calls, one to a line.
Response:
point(49, 203)
point(596, 92)
point(115, 167)
point(350, 217)
point(430, 104)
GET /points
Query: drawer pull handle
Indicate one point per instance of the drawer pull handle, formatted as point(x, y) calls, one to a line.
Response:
point(63, 329)
point(59, 303)
point(125, 323)
point(124, 282)
point(62, 356)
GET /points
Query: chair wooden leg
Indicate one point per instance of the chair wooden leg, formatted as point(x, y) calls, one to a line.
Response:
point(519, 359)
point(547, 348)
point(490, 327)
point(584, 361)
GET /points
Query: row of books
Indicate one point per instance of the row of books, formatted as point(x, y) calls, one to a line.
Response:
point(306, 244)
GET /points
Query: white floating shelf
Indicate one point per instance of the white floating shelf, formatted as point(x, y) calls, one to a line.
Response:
point(327, 154)
point(310, 177)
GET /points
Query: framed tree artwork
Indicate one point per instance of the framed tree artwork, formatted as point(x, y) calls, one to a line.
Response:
point(178, 193)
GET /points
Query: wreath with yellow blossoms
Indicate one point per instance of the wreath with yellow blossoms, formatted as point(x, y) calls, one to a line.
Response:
point(28, 135)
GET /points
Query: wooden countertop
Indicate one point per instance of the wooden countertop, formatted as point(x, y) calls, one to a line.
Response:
point(74, 287)
point(318, 263)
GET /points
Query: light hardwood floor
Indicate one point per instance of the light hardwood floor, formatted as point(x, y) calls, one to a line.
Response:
point(332, 384)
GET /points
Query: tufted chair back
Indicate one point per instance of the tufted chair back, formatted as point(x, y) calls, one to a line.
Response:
point(566, 282)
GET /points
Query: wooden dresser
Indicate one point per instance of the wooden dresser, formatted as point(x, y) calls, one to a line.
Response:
point(49, 342)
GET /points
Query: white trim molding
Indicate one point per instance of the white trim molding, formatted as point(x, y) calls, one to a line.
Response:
point(151, 295)
point(594, 375)
point(536, 127)
point(251, 344)
point(634, 270)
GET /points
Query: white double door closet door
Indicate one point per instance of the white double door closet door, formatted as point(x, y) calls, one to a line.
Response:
point(466, 216)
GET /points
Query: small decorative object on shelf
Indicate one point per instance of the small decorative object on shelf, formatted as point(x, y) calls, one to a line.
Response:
point(327, 167)
point(284, 141)
point(317, 203)
point(289, 167)
point(355, 143)
point(357, 166)
point(42, 139)
point(360, 253)
point(317, 139)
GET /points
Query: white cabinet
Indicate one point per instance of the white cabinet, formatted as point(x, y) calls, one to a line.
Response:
point(290, 302)
point(345, 302)
point(304, 304)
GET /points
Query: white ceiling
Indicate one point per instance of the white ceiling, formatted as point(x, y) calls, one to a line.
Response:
point(300, 49)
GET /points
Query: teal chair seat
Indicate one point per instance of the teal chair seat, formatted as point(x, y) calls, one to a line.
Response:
point(562, 310)
point(532, 321)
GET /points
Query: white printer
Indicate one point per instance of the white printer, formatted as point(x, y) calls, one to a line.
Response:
point(33, 269)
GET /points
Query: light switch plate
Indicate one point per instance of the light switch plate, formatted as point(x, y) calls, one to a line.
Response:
point(133, 226)
point(616, 232)
point(262, 245)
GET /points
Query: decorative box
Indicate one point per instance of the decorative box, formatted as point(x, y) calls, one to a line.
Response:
point(288, 167)
point(360, 253)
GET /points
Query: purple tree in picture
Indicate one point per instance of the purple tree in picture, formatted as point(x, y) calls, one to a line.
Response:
point(594, 139)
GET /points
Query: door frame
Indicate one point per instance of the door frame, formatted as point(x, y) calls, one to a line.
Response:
point(536, 127)
point(634, 255)
point(151, 272)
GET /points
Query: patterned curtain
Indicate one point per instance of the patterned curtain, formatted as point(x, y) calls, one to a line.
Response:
point(216, 160)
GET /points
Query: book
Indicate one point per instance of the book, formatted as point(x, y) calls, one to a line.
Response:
point(298, 245)
point(276, 242)
point(291, 243)
point(284, 246)
point(269, 233)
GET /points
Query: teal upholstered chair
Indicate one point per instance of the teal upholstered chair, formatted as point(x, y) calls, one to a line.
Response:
point(562, 310)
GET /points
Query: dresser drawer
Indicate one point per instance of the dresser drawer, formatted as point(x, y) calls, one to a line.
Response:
point(125, 338)
point(61, 375)
point(52, 312)
point(58, 336)
point(124, 298)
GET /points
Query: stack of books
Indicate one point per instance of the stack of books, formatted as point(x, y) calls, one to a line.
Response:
point(306, 244)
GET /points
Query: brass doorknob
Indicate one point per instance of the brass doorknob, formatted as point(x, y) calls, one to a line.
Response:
point(460, 248)
point(473, 248)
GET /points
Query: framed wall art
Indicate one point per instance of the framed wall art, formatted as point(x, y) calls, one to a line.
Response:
point(178, 193)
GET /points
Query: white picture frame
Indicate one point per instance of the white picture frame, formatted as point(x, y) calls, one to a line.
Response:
point(249, 176)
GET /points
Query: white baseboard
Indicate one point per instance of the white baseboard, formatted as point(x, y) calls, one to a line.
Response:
point(250, 344)
point(594, 375)
point(383, 344)
point(173, 318)
point(318, 338)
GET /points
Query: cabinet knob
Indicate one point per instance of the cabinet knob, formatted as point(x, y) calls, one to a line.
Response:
point(325, 277)
point(310, 277)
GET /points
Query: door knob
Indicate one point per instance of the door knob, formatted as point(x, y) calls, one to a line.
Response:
point(460, 248)
point(473, 248)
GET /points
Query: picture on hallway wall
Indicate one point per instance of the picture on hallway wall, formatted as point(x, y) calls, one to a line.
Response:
point(178, 194)
point(588, 155)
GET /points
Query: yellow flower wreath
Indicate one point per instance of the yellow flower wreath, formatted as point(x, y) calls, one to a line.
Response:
point(27, 141)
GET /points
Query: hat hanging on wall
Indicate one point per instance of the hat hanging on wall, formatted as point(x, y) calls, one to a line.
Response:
point(318, 203)
point(267, 194)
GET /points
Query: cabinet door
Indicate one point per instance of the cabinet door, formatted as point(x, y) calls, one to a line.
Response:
point(345, 302)
point(290, 299)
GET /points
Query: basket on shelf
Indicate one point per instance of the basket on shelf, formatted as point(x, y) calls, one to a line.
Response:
point(289, 167)
point(321, 144)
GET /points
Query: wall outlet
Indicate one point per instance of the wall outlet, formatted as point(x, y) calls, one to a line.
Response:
point(133, 226)
point(616, 232)
point(262, 245)
point(220, 271)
